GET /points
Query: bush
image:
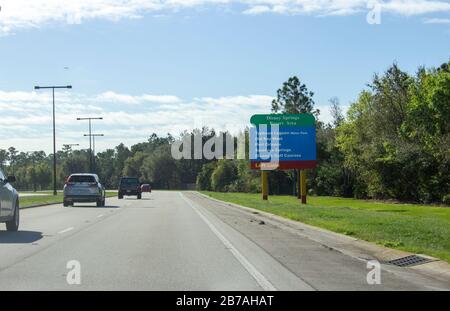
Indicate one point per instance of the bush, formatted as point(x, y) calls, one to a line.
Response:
point(204, 177)
point(223, 175)
point(446, 199)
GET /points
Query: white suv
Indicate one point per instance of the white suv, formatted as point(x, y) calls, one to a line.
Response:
point(84, 188)
point(9, 203)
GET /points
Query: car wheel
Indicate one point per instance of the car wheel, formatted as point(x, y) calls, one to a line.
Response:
point(139, 196)
point(120, 196)
point(65, 203)
point(13, 225)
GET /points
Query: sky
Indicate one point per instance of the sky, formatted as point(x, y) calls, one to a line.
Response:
point(164, 66)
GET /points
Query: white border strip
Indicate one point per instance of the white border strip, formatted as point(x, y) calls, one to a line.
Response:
point(65, 230)
point(260, 279)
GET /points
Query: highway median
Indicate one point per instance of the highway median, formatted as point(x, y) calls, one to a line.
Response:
point(47, 198)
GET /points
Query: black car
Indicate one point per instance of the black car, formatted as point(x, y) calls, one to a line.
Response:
point(129, 186)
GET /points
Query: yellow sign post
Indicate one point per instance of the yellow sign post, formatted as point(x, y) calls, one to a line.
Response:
point(303, 185)
point(265, 184)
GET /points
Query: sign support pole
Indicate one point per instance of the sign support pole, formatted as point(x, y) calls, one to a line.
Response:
point(299, 184)
point(265, 185)
point(303, 185)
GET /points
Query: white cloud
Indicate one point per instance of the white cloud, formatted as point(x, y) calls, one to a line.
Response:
point(416, 7)
point(26, 121)
point(437, 21)
point(19, 14)
point(134, 100)
point(258, 9)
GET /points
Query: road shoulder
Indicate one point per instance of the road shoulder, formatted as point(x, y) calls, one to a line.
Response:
point(435, 271)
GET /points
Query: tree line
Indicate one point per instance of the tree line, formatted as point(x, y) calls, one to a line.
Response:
point(393, 143)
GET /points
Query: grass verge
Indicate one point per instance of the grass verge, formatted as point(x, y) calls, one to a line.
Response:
point(48, 198)
point(418, 229)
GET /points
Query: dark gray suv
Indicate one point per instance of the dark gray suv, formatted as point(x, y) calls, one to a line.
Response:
point(129, 186)
point(9, 203)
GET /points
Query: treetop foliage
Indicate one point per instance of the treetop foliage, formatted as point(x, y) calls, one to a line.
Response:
point(392, 143)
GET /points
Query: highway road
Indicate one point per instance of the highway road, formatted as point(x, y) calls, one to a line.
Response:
point(175, 241)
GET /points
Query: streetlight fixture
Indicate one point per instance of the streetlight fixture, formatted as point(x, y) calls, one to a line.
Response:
point(90, 137)
point(93, 145)
point(55, 192)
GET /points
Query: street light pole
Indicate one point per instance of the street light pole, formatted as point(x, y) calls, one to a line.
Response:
point(91, 165)
point(93, 145)
point(90, 139)
point(54, 144)
point(55, 192)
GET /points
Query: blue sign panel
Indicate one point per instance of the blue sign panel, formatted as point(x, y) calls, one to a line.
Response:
point(286, 143)
point(289, 146)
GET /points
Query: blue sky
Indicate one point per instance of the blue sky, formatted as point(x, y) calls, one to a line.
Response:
point(170, 67)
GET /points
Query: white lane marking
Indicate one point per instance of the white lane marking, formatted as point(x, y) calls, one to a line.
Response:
point(260, 279)
point(436, 288)
point(65, 230)
point(100, 216)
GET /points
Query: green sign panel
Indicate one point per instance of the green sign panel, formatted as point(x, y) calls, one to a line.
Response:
point(284, 120)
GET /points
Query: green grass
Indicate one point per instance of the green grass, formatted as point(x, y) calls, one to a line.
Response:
point(49, 198)
point(418, 229)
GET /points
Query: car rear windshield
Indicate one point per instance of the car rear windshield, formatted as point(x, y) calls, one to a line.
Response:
point(129, 181)
point(82, 179)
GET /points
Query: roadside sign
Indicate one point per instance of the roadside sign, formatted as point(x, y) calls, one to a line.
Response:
point(283, 141)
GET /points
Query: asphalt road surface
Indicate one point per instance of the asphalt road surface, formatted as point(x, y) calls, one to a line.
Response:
point(173, 241)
